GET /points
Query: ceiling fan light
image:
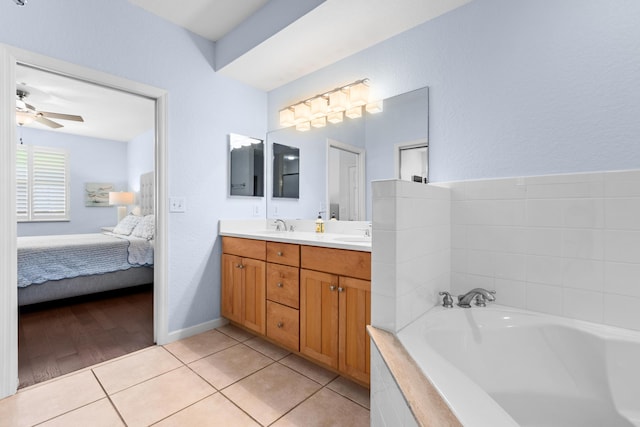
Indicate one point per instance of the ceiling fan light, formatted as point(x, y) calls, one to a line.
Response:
point(358, 94)
point(24, 118)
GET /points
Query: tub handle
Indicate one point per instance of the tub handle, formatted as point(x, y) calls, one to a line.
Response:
point(447, 301)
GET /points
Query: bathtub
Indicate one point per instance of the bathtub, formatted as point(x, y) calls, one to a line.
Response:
point(499, 366)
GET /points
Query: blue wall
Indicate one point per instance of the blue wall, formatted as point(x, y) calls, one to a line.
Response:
point(517, 87)
point(90, 160)
point(203, 108)
point(140, 158)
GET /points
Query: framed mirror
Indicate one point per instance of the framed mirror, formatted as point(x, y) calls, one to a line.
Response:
point(246, 166)
point(286, 171)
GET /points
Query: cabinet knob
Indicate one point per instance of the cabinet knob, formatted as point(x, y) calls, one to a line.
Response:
point(239, 266)
point(279, 285)
point(332, 288)
point(279, 253)
point(341, 289)
point(280, 325)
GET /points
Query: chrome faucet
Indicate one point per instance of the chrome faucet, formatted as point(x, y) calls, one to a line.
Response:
point(479, 294)
point(277, 224)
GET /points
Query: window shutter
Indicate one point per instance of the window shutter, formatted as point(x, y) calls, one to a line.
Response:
point(42, 179)
point(22, 182)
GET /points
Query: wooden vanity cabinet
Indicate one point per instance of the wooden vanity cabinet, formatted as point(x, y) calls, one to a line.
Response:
point(311, 300)
point(243, 282)
point(335, 307)
point(283, 294)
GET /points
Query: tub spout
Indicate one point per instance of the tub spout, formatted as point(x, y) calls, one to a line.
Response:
point(484, 295)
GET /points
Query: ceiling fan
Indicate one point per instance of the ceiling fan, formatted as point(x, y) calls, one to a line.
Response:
point(27, 113)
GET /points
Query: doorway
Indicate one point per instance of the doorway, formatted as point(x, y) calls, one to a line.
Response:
point(345, 181)
point(9, 59)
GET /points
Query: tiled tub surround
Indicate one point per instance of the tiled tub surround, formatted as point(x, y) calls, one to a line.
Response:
point(411, 260)
point(567, 245)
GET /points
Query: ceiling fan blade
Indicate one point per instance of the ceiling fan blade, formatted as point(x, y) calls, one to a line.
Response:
point(48, 122)
point(61, 116)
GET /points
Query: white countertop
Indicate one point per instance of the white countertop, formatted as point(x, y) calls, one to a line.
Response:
point(354, 242)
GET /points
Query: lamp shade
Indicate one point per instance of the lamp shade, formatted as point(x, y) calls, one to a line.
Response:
point(354, 113)
point(337, 101)
point(374, 107)
point(319, 107)
point(286, 117)
point(358, 94)
point(301, 113)
point(120, 198)
point(303, 127)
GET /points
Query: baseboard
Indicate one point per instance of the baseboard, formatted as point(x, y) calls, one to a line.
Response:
point(196, 329)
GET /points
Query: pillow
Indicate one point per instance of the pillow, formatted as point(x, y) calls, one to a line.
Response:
point(126, 226)
point(145, 228)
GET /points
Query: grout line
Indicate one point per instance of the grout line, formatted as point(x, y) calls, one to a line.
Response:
point(109, 398)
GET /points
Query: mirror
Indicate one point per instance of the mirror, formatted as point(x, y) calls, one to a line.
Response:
point(246, 166)
point(345, 182)
point(286, 171)
point(404, 121)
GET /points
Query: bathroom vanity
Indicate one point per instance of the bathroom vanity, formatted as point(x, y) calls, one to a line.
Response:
point(309, 294)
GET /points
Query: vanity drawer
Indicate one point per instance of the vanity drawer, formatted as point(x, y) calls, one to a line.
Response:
point(283, 284)
point(283, 253)
point(246, 248)
point(337, 261)
point(283, 325)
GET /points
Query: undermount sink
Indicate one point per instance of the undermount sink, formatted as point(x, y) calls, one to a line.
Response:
point(354, 239)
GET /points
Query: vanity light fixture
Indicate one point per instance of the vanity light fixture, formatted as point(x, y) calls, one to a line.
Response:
point(320, 122)
point(303, 127)
point(330, 107)
point(354, 112)
point(335, 117)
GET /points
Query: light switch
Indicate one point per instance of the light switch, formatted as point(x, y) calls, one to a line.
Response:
point(177, 204)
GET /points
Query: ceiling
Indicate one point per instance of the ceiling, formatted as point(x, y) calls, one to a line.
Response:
point(108, 113)
point(331, 31)
point(335, 29)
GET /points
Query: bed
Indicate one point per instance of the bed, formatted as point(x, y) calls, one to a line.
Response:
point(64, 266)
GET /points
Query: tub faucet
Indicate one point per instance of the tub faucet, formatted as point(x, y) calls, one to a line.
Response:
point(480, 295)
point(277, 223)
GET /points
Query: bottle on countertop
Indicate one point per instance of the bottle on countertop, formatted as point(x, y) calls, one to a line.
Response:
point(319, 223)
point(333, 216)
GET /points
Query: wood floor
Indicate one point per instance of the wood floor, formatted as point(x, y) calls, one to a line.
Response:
point(61, 337)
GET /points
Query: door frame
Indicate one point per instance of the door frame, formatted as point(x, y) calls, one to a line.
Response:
point(9, 58)
point(360, 153)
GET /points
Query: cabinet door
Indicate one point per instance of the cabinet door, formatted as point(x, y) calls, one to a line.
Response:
point(355, 315)
point(232, 287)
point(254, 294)
point(319, 316)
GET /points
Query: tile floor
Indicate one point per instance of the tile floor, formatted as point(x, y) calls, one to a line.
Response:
point(223, 377)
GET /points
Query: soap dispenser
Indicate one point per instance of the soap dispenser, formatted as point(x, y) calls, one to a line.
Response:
point(319, 223)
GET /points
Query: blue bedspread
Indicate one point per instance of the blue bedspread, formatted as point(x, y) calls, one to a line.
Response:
point(44, 258)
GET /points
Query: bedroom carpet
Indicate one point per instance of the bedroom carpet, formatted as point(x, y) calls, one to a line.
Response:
point(64, 336)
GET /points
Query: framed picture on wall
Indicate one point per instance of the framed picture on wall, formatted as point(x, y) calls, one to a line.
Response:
point(96, 194)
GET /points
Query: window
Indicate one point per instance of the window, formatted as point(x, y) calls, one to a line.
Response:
point(42, 184)
point(412, 161)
